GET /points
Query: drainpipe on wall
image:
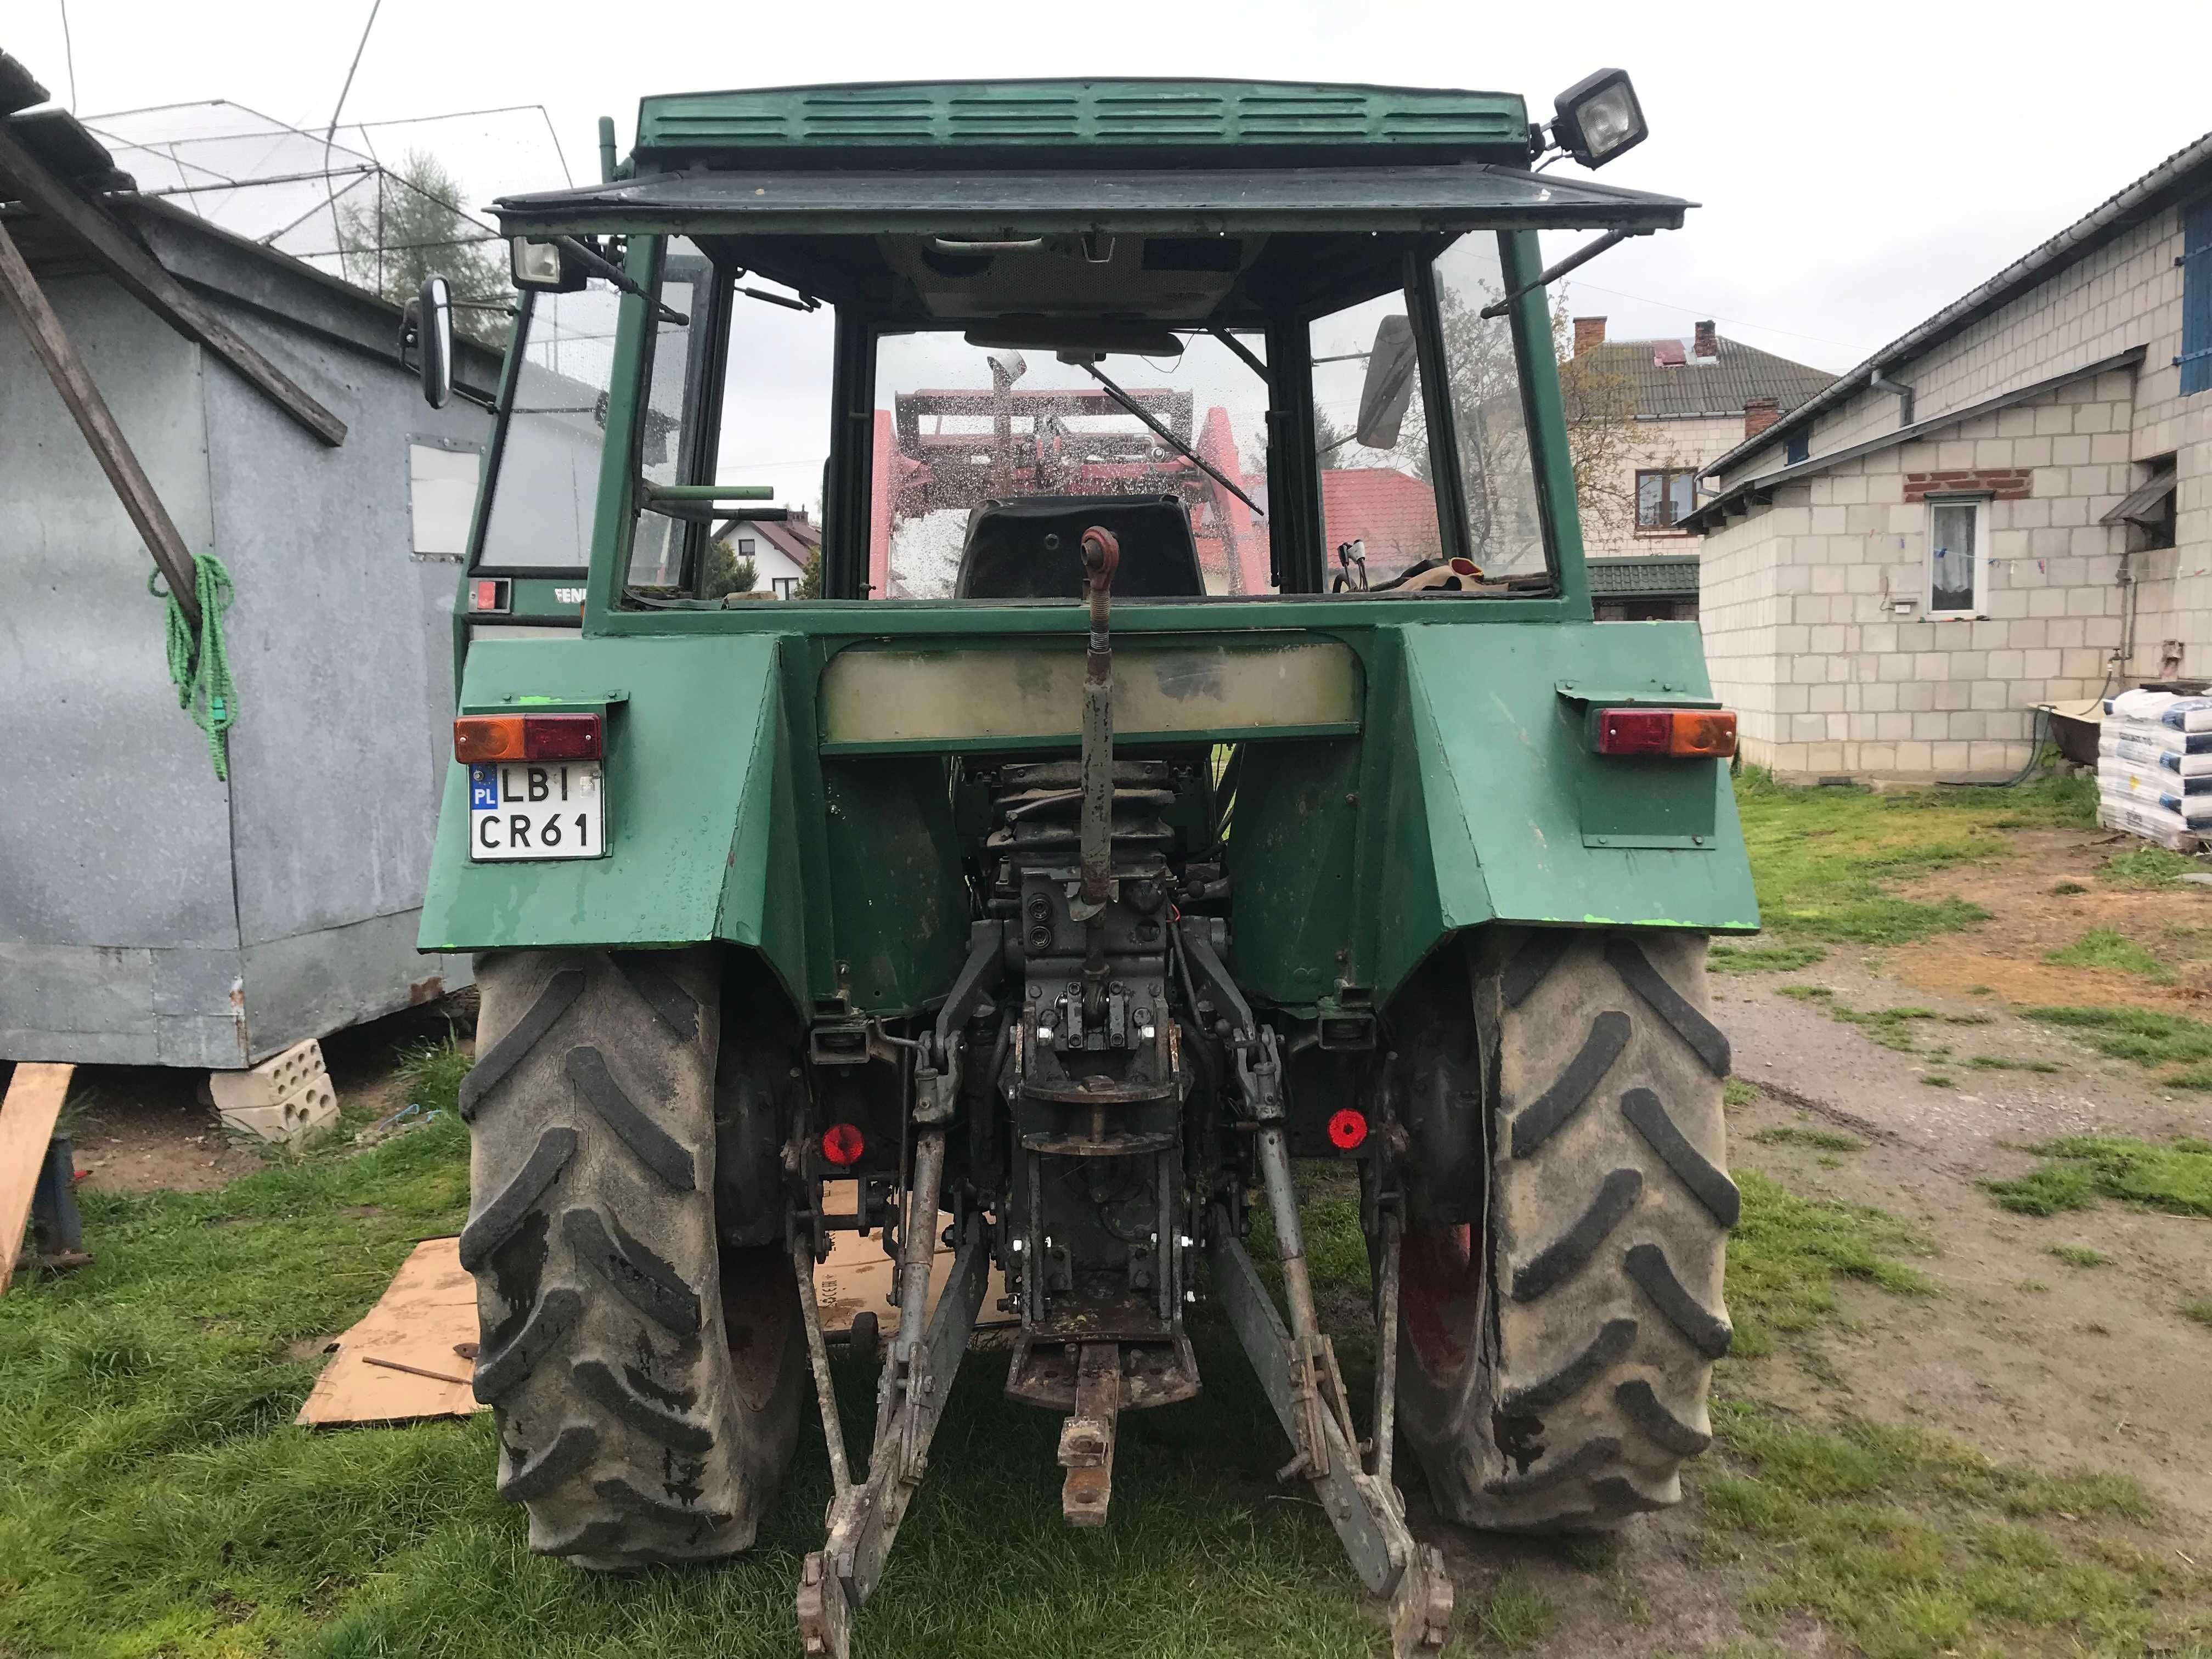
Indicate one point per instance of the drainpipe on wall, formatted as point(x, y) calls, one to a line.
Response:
point(1877, 381)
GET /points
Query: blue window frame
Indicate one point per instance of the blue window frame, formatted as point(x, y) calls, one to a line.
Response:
point(2196, 358)
point(1800, 448)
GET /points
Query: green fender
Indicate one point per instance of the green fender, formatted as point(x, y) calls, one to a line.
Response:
point(701, 842)
point(1474, 797)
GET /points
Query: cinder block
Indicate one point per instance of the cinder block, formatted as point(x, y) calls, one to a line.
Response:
point(270, 1082)
point(306, 1111)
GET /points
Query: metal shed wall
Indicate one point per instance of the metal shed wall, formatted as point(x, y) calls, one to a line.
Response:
point(148, 914)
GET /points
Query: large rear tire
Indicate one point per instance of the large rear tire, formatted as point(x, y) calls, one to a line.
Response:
point(644, 1380)
point(1554, 1361)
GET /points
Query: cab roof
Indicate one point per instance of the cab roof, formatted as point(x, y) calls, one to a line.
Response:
point(1074, 122)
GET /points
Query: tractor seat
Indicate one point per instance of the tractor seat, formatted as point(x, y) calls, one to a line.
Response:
point(1030, 547)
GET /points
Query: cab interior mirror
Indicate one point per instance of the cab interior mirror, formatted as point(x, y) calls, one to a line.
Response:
point(434, 340)
point(1387, 390)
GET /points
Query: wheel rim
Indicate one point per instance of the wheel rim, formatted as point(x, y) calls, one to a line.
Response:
point(1440, 1298)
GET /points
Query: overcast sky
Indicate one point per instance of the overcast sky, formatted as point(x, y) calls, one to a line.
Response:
point(1859, 164)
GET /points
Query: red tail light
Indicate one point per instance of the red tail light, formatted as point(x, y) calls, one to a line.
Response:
point(842, 1145)
point(528, 737)
point(1347, 1130)
point(489, 593)
point(1678, 733)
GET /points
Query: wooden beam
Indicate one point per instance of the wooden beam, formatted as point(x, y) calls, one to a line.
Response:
point(66, 369)
point(27, 1116)
point(145, 276)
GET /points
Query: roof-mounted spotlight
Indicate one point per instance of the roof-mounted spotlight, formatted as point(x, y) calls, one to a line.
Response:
point(1598, 118)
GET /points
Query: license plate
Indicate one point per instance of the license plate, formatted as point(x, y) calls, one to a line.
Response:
point(536, 810)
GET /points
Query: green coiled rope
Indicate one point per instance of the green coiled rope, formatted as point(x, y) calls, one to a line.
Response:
point(200, 667)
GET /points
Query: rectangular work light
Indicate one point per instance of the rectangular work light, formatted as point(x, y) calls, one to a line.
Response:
point(546, 266)
point(1598, 118)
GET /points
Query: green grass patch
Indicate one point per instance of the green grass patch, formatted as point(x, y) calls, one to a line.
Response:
point(1892, 1027)
point(1824, 860)
point(2068, 889)
point(2078, 1255)
point(2199, 1311)
point(1915, 1545)
point(2101, 947)
point(1938, 1080)
point(1788, 1254)
point(1518, 1614)
point(2001, 1063)
point(155, 1498)
point(1797, 1134)
point(433, 1071)
point(2146, 868)
point(1775, 959)
point(2176, 1178)
point(2138, 1034)
point(1736, 1092)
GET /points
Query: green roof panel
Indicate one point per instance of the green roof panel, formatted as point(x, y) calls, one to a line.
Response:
point(1081, 117)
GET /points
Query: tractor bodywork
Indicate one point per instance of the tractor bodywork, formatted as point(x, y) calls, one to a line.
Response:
point(1071, 922)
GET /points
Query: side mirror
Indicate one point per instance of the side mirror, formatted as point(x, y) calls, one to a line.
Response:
point(1388, 391)
point(434, 340)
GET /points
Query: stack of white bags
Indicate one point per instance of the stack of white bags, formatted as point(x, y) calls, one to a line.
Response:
point(2155, 768)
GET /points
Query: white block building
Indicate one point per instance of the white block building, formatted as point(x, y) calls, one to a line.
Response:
point(2011, 504)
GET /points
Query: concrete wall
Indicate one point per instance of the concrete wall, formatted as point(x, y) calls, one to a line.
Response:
point(1800, 630)
point(1689, 443)
point(149, 913)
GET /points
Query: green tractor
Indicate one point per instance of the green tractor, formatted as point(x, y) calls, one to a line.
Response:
point(1180, 747)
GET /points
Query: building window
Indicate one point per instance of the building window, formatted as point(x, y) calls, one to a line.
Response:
point(1958, 560)
point(744, 547)
point(2196, 358)
point(442, 498)
point(1800, 449)
point(1662, 498)
point(786, 586)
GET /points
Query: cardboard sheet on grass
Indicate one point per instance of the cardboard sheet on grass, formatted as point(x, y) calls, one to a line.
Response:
point(427, 1322)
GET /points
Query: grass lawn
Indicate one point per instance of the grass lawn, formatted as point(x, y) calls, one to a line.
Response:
point(155, 1498)
point(1822, 859)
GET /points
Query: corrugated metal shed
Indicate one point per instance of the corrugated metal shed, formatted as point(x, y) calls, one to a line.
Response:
point(151, 912)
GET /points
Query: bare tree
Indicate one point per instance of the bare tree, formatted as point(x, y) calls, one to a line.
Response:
point(1601, 410)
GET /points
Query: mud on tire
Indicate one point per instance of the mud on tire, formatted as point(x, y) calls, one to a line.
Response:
point(1555, 1363)
point(645, 1382)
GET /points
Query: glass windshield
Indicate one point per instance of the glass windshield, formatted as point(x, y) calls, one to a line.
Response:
point(1378, 508)
point(737, 394)
point(546, 477)
point(968, 436)
point(1497, 474)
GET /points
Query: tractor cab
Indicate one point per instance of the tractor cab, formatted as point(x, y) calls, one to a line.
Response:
point(1311, 316)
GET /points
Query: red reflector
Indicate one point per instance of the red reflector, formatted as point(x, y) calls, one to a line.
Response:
point(561, 737)
point(491, 594)
point(843, 1144)
point(1634, 731)
point(1682, 733)
point(1347, 1129)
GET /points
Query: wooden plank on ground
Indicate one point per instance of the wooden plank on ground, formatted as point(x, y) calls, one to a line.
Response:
point(144, 275)
point(425, 1321)
point(27, 1116)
